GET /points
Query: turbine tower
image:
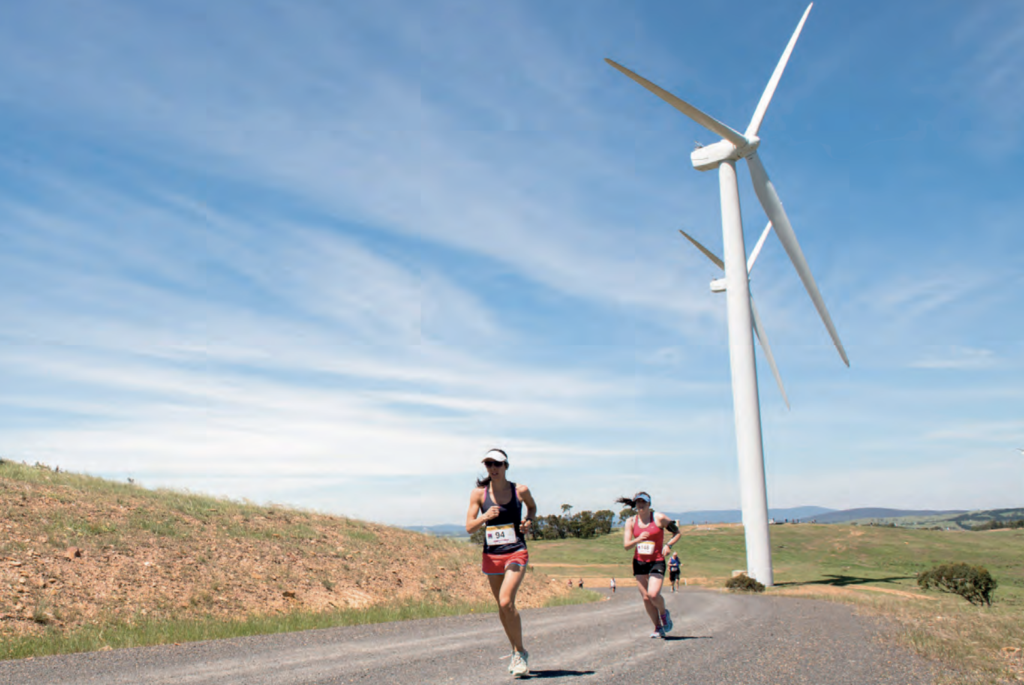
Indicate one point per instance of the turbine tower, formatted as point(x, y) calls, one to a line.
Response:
point(742, 318)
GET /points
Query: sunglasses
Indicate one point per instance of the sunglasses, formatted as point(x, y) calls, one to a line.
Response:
point(493, 464)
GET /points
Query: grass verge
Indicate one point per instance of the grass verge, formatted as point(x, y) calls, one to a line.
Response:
point(574, 597)
point(146, 632)
point(979, 645)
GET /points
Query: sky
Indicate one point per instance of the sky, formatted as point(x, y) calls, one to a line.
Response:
point(326, 254)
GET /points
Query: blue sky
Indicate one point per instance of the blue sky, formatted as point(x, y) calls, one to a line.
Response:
point(327, 253)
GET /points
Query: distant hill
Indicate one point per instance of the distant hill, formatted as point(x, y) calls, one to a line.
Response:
point(910, 518)
point(956, 520)
point(442, 530)
point(847, 515)
point(736, 516)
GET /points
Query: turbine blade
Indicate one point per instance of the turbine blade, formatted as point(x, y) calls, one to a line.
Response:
point(707, 253)
point(707, 121)
point(757, 248)
point(763, 339)
point(773, 208)
point(773, 82)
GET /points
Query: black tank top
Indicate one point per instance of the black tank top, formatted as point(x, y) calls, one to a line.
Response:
point(509, 513)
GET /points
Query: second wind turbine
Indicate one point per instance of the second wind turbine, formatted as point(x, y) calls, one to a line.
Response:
point(723, 155)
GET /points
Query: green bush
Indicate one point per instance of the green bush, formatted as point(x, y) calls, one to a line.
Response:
point(973, 583)
point(744, 583)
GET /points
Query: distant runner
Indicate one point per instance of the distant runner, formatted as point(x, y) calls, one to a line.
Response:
point(613, 585)
point(497, 505)
point(673, 571)
point(646, 533)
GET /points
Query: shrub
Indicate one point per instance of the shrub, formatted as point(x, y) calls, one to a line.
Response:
point(973, 583)
point(744, 583)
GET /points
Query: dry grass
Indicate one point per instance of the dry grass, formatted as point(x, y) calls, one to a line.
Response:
point(979, 645)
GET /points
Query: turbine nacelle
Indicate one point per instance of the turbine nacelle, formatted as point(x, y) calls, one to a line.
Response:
point(710, 156)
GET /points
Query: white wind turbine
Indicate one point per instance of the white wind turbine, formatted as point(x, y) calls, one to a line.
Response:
point(742, 318)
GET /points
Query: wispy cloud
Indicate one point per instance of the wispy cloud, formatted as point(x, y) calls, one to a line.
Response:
point(992, 76)
point(307, 249)
point(958, 358)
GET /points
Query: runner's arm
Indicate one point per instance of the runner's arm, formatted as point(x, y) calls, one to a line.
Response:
point(628, 541)
point(531, 508)
point(473, 518)
point(668, 524)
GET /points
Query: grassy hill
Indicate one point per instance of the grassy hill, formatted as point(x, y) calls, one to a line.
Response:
point(871, 566)
point(87, 563)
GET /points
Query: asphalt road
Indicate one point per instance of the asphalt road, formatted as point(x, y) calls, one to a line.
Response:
point(718, 639)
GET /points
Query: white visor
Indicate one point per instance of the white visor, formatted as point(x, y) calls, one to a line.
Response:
point(495, 455)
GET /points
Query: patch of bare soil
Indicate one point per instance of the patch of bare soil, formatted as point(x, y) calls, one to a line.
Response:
point(70, 556)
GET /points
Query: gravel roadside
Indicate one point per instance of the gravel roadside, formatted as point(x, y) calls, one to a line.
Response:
point(718, 639)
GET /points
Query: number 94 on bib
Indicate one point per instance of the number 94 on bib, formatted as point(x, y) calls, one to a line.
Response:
point(504, 534)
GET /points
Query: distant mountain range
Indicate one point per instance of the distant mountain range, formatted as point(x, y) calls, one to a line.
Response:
point(736, 516)
point(880, 513)
point(961, 518)
point(443, 530)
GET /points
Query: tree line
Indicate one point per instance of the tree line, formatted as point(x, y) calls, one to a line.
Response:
point(582, 524)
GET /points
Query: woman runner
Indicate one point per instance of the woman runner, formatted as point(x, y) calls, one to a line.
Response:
point(673, 571)
point(645, 532)
point(497, 505)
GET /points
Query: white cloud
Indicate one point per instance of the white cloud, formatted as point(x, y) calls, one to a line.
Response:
point(958, 358)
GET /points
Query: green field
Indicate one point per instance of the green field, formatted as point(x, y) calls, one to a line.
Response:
point(872, 567)
point(832, 554)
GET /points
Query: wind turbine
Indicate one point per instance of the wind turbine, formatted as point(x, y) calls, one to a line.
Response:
point(742, 318)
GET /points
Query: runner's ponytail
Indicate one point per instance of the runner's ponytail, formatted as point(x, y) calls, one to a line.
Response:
point(631, 501)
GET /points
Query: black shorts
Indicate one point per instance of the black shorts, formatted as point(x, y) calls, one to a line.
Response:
point(673, 574)
point(648, 568)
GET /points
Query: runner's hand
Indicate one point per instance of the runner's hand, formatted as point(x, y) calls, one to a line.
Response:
point(492, 513)
point(666, 552)
point(642, 536)
point(525, 526)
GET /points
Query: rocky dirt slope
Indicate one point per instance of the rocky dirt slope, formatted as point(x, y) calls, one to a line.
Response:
point(77, 549)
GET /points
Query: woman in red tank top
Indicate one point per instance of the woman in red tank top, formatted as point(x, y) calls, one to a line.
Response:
point(645, 534)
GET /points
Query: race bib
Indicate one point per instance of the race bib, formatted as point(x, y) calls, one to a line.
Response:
point(645, 548)
point(504, 534)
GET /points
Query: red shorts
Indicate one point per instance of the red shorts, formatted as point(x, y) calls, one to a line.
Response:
point(497, 564)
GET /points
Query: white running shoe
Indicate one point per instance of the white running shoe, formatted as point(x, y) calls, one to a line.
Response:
point(659, 632)
point(512, 659)
point(520, 665)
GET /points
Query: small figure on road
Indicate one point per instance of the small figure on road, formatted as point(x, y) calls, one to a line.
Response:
point(645, 534)
point(581, 583)
point(612, 585)
point(569, 581)
point(496, 504)
point(673, 571)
